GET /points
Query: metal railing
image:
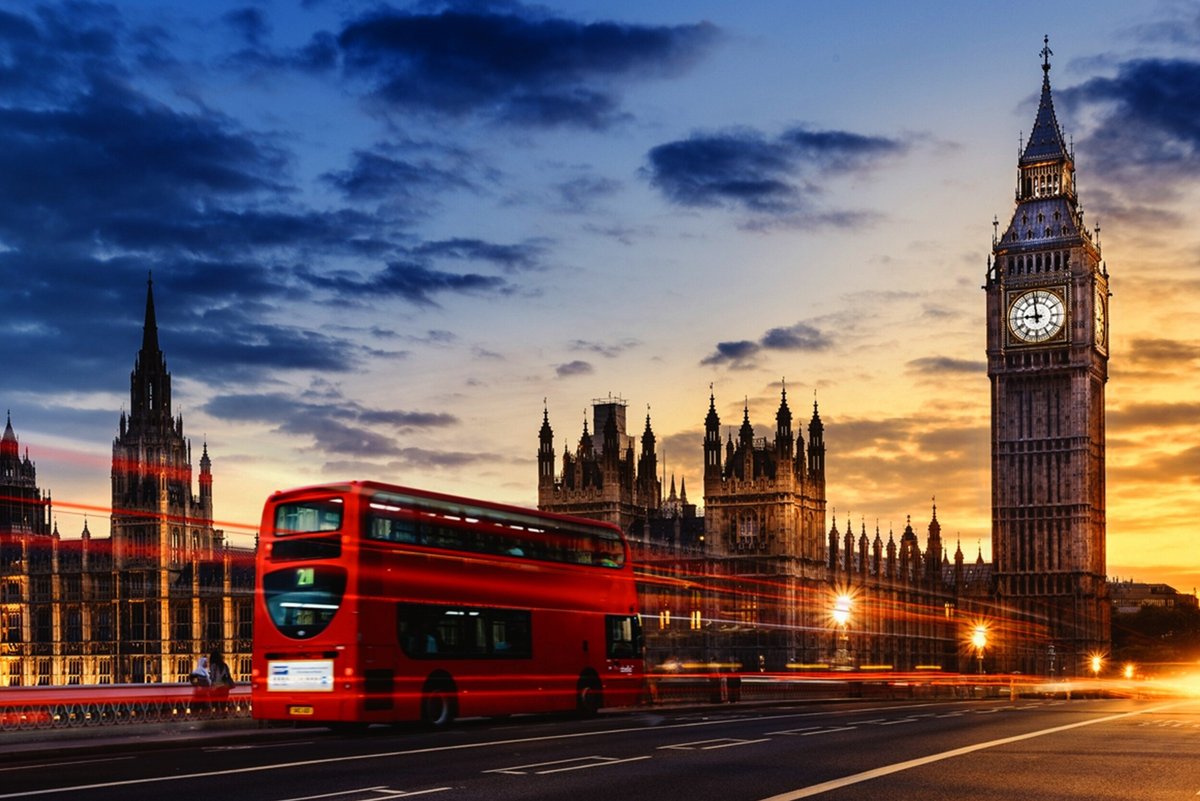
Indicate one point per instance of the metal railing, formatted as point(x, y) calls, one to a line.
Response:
point(27, 708)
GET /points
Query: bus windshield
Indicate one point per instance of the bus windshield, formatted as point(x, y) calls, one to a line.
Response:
point(305, 517)
point(303, 600)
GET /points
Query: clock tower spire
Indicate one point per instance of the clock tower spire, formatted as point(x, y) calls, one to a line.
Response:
point(1047, 353)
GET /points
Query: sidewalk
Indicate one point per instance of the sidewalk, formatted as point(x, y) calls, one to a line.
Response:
point(77, 740)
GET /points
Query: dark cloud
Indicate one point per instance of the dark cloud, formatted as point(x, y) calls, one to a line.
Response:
point(513, 63)
point(425, 458)
point(1146, 132)
point(733, 353)
point(941, 365)
point(249, 24)
point(741, 354)
point(102, 184)
point(524, 256)
point(333, 424)
point(608, 350)
point(1166, 352)
point(767, 177)
point(800, 336)
point(1164, 416)
point(409, 281)
point(379, 176)
point(574, 368)
point(580, 195)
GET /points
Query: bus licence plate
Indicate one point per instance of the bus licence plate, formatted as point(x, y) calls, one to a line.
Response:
point(300, 710)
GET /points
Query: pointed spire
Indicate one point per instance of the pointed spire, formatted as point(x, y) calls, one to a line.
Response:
point(150, 328)
point(1046, 142)
point(8, 445)
point(746, 433)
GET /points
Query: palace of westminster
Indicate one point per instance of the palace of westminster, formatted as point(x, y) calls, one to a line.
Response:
point(754, 580)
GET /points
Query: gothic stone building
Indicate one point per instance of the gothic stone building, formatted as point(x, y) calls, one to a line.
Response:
point(144, 603)
point(759, 585)
point(753, 581)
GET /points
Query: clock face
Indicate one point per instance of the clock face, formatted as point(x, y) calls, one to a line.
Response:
point(1037, 315)
point(1101, 329)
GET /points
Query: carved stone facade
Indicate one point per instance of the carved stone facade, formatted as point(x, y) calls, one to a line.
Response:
point(143, 604)
point(1047, 350)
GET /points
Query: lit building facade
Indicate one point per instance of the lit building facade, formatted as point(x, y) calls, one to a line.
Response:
point(772, 583)
point(143, 604)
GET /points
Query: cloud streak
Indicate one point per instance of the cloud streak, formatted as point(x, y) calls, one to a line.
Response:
point(741, 354)
point(512, 64)
point(766, 177)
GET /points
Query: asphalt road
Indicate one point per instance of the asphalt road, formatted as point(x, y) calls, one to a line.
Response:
point(1026, 750)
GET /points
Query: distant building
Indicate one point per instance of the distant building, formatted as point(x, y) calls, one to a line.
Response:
point(754, 580)
point(143, 604)
point(1130, 596)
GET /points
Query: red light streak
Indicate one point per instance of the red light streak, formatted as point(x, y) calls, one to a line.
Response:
point(110, 512)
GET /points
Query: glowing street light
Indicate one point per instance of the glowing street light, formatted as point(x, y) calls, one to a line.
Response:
point(1097, 661)
point(979, 639)
point(841, 616)
point(841, 610)
point(1129, 670)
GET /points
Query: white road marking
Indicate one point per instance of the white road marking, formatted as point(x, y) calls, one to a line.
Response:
point(334, 795)
point(886, 770)
point(41, 765)
point(829, 731)
point(381, 793)
point(710, 745)
point(436, 749)
point(564, 765)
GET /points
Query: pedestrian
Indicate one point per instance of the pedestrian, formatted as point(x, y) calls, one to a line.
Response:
point(220, 676)
point(201, 681)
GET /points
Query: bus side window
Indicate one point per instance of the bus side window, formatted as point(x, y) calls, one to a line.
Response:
point(511, 635)
point(623, 636)
point(393, 529)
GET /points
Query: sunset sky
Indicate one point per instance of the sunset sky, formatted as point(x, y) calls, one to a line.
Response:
point(381, 235)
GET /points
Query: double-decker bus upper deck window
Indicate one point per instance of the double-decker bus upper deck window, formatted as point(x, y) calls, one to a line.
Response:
point(305, 517)
point(395, 519)
point(303, 600)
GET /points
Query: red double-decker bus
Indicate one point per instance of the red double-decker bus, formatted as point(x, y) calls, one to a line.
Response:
point(379, 603)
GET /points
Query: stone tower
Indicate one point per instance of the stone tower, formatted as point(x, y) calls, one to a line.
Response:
point(1047, 352)
point(156, 521)
point(601, 479)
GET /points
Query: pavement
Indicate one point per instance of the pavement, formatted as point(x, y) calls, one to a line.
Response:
point(77, 740)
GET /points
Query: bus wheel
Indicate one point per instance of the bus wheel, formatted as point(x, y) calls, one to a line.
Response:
point(588, 698)
point(439, 705)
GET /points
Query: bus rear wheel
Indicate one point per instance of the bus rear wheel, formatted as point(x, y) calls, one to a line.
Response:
point(439, 703)
point(588, 695)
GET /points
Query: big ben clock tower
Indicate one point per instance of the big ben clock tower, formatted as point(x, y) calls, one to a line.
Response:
point(1047, 350)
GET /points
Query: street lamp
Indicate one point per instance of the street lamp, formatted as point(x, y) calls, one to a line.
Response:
point(979, 639)
point(1097, 661)
point(841, 616)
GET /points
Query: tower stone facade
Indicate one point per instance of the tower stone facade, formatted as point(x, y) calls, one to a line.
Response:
point(601, 479)
point(1047, 352)
point(766, 497)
